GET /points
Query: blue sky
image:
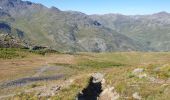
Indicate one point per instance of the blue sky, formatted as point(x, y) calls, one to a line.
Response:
point(128, 7)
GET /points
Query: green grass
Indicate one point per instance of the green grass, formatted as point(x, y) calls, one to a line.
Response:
point(118, 70)
point(43, 51)
point(9, 53)
point(98, 64)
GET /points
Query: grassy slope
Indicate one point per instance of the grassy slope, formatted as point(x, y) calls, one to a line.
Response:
point(66, 31)
point(118, 69)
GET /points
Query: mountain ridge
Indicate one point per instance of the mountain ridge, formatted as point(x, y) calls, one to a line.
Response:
point(146, 29)
point(72, 31)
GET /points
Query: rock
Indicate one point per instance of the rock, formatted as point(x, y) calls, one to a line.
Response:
point(54, 90)
point(93, 90)
point(138, 70)
point(156, 80)
point(136, 96)
point(142, 75)
point(152, 79)
point(109, 94)
point(96, 90)
point(97, 77)
point(49, 92)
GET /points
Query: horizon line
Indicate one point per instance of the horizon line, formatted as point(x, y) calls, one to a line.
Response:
point(102, 13)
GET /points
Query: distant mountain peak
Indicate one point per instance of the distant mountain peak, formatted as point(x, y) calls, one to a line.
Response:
point(54, 8)
point(71, 31)
point(163, 13)
point(10, 1)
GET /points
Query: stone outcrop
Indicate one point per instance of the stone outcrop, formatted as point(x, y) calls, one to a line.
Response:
point(97, 90)
point(138, 71)
point(109, 94)
point(136, 96)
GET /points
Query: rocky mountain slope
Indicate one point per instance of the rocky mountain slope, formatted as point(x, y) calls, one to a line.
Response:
point(152, 31)
point(10, 37)
point(63, 30)
point(70, 31)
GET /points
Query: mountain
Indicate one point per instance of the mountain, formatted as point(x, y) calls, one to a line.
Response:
point(8, 39)
point(65, 31)
point(71, 31)
point(153, 31)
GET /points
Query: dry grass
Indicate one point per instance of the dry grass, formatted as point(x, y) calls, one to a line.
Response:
point(15, 68)
point(117, 68)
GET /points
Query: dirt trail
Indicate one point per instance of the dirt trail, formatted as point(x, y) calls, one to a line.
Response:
point(24, 81)
point(41, 70)
point(34, 78)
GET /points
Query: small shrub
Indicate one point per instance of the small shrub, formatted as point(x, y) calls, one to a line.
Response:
point(121, 87)
point(130, 75)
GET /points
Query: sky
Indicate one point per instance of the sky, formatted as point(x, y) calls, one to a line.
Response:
point(127, 7)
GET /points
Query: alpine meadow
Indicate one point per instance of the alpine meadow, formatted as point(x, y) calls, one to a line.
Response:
point(48, 53)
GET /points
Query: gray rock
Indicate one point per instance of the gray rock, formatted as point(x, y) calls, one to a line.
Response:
point(144, 75)
point(109, 94)
point(138, 70)
point(97, 77)
point(136, 96)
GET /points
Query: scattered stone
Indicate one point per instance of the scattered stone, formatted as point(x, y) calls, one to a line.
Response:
point(156, 80)
point(109, 94)
point(164, 85)
point(152, 79)
point(54, 90)
point(136, 96)
point(144, 75)
point(97, 77)
point(138, 70)
point(49, 92)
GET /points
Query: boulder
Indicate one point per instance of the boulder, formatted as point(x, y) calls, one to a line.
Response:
point(96, 90)
point(144, 75)
point(109, 94)
point(138, 71)
point(98, 78)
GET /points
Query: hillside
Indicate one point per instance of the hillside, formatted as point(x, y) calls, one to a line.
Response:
point(10, 37)
point(71, 31)
point(66, 31)
point(150, 30)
